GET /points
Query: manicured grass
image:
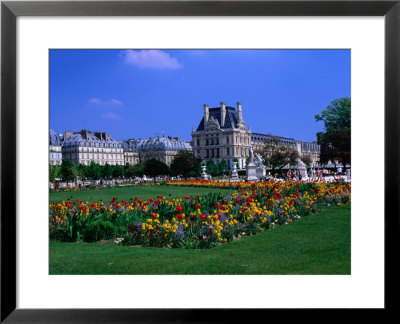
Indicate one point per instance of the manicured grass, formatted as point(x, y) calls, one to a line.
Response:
point(125, 193)
point(316, 244)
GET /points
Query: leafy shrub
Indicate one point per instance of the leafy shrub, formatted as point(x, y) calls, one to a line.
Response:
point(99, 230)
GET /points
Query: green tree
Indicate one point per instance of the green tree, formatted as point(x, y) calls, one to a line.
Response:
point(94, 171)
point(335, 141)
point(67, 170)
point(186, 164)
point(276, 155)
point(130, 172)
point(306, 159)
point(106, 171)
point(155, 168)
point(212, 168)
point(82, 171)
point(137, 170)
point(127, 166)
point(222, 166)
point(54, 172)
point(118, 171)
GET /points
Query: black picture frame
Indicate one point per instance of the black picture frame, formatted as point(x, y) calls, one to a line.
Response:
point(10, 10)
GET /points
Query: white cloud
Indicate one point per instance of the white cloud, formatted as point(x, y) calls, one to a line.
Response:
point(111, 116)
point(153, 59)
point(98, 102)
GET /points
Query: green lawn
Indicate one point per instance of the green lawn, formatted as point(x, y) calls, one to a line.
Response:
point(317, 244)
point(125, 193)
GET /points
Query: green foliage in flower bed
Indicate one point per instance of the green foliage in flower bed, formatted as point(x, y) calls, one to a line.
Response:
point(317, 244)
point(196, 221)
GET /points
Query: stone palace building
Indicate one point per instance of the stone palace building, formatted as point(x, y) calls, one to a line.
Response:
point(55, 142)
point(86, 146)
point(161, 148)
point(222, 134)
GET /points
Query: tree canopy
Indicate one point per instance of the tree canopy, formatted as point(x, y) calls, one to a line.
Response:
point(107, 171)
point(335, 141)
point(307, 160)
point(67, 170)
point(185, 164)
point(337, 116)
point(54, 172)
point(94, 170)
point(276, 155)
point(212, 168)
point(222, 166)
point(154, 167)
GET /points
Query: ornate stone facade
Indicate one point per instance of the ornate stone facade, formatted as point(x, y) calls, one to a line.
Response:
point(131, 153)
point(312, 149)
point(222, 134)
point(85, 146)
point(55, 153)
point(161, 148)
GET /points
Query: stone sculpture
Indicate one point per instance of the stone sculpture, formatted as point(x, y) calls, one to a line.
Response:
point(234, 176)
point(260, 167)
point(302, 168)
point(204, 175)
point(251, 174)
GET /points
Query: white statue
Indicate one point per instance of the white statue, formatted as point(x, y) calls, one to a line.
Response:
point(235, 176)
point(302, 168)
point(204, 175)
point(260, 167)
point(251, 168)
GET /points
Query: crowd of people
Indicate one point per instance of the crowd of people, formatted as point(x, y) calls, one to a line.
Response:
point(319, 174)
point(291, 175)
point(82, 184)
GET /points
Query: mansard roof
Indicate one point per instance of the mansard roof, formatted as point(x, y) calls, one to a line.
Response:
point(230, 118)
point(54, 138)
point(161, 143)
point(259, 137)
point(130, 145)
point(87, 138)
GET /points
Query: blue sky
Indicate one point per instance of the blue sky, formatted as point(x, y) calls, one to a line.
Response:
point(142, 93)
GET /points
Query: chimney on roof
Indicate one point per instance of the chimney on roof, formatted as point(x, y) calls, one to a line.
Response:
point(206, 112)
point(223, 113)
point(67, 134)
point(239, 111)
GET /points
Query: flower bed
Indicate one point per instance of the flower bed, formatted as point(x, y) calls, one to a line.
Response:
point(195, 221)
